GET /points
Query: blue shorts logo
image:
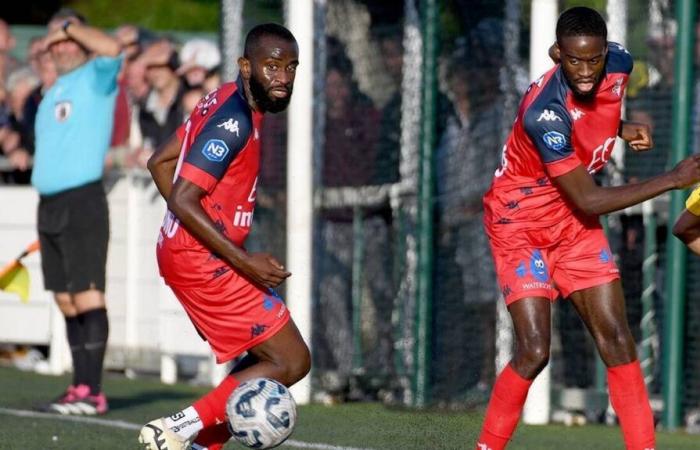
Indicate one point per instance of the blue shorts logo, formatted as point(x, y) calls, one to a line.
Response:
point(554, 140)
point(538, 268)
point(215, 150)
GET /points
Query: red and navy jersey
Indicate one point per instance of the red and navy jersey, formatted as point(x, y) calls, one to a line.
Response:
point(554, 132)
point(220, 154)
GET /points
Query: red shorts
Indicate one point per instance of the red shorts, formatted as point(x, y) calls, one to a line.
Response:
point(232, 314)
point(562, 259)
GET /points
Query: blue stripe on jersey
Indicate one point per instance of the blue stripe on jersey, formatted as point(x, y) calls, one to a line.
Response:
point(619, 60)
point(223, 137)
point(547, 120)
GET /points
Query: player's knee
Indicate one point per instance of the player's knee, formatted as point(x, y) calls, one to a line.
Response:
point(616, 346)
point(536, 354)
point(298, 366)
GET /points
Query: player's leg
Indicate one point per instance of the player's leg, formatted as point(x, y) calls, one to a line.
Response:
point(284, 357)
point(531, 322)
point(602, 309)
point(259, 322)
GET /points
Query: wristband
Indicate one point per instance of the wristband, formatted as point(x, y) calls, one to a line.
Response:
point(65, 26)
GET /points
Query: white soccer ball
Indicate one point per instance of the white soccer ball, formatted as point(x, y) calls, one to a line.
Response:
point(261, 413)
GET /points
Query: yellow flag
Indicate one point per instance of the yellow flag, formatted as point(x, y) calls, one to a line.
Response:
point(15, 278)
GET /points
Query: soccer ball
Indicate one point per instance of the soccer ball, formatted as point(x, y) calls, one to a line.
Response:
point(261, 413)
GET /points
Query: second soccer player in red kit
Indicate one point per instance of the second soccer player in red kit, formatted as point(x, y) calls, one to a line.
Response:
point(542, 219)
point(214, 159)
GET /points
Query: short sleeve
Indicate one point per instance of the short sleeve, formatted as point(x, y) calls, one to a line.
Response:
point(224, 135)
point(107, 70)
point(549, 128)
point(619, 59)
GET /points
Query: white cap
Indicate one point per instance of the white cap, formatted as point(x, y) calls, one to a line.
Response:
point(199, 52)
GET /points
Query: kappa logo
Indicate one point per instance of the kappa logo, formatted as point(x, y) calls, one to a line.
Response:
point(483, 446)
point(230, 125)
point(576, 114)
point(554, 140)
point(549, 116)
point(215, 150)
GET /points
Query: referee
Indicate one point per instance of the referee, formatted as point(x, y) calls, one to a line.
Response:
point(73, 128)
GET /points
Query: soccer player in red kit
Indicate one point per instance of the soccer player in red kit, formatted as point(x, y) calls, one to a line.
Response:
point(214, 161)
point(542, 219)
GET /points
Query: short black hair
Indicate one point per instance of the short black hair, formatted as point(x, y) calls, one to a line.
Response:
point(255, 35)
point(68, 13)
point(581, 21)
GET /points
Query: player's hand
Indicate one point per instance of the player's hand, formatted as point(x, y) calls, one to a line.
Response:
point(637, 135)
point(264, 269)
point(687, 172)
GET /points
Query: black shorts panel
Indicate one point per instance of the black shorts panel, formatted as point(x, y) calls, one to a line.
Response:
point(74, 234)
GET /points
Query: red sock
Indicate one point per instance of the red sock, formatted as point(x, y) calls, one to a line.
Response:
point(212, 407)
point(502, 414)
point(629, 398)
point(213, 438)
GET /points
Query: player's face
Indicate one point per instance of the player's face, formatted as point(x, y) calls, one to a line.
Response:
point(272, 71)
point(583, 62)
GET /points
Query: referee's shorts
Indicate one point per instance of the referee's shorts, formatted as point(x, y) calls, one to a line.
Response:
point(74, 233)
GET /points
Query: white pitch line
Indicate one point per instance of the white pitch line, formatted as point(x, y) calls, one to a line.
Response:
point(133, 426)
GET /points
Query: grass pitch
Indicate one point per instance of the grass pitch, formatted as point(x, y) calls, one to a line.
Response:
point(360, 426)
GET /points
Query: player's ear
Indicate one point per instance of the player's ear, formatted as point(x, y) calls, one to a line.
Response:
point(244, 67)
point(555, 53)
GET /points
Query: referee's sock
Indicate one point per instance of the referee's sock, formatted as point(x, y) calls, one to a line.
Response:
point(96, 330)
point(629, 398)
point(502, 414)
point(76, 341)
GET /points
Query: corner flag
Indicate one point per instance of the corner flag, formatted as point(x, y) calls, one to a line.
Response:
point(14, 277)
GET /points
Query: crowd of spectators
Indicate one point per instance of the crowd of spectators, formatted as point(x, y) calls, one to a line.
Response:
point(160, 83)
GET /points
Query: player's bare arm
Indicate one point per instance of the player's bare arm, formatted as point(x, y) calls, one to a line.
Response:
point(580, 188)
point(162, 165)
point(637, 135)
point(687, 229)
point(185, 202)
point(91, 38)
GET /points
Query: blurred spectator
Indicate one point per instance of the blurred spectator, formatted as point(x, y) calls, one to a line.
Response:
point(126, 133)
point(389, 145)
point(467, 156)
point(18, 144)
point(199, 67)
point(8, 63)
point(161, 111)
point(73, 128)
point(349, 154)
point(17, 139)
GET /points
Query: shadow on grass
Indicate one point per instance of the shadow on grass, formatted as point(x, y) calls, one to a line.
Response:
point(147, 397)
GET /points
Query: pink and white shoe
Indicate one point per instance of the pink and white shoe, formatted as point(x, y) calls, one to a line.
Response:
point(67, 396)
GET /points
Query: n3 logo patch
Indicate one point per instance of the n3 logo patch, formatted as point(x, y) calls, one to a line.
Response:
point(215, 150)
point(554, 140)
